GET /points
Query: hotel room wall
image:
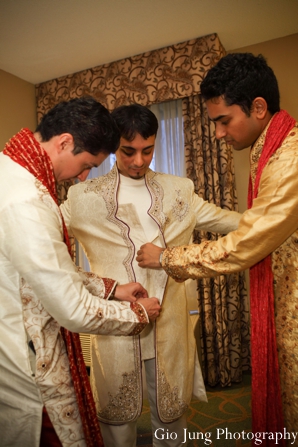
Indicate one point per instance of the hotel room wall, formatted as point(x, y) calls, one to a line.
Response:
point(17, 106)
point(282, 56)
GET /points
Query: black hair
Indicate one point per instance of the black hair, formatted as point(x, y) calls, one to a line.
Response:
point(135, 119)
point(89, 122)
point(239, 78)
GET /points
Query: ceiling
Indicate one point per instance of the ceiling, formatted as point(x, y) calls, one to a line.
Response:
point(44, 39)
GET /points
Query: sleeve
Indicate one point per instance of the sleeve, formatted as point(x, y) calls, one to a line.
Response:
point(33, 245)
point(213, 218)
point(93, 283)
point(262, 229)
point(65, 209)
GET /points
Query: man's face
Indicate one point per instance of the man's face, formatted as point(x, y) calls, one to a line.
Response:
point(232, 124)
point(77, 166)
point(134, 157)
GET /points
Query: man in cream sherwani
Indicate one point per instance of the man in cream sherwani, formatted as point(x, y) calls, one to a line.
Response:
point(112, 216)
point(45, 397)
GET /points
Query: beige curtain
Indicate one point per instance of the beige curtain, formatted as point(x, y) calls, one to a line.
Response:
point(162, 75)
point(222, 301)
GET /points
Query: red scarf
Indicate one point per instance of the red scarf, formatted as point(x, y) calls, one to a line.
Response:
point(266, 391)
point(27, 152)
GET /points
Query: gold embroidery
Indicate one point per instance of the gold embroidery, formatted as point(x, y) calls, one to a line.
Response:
point(142, 317)
point(180, 208)
point(157, 194)
point(169, 405)
point(106, 186)
point(124, 406)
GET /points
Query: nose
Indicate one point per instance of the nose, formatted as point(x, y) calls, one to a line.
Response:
point(220, 131)
point(82, 177)
point(138, 160)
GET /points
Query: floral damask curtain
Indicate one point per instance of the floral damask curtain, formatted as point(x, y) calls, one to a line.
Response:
point(223, 304)
point(156, 76)
point(162, 75)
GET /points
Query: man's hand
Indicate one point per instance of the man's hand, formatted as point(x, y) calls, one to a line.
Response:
point(152, 307)
point(148, 256)
point(130, 292)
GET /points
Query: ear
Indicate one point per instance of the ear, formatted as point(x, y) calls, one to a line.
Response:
point(259, 106)
point(64, 142)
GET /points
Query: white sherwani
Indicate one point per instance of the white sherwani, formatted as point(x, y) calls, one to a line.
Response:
point(111, 235)
point(41, 290)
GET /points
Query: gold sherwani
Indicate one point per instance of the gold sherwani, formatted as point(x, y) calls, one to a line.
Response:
point(270, 226)
point(41, 290)
point(111, 235)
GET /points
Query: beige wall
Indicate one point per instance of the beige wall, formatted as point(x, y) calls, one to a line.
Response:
point(282, 56)
point(17, 106)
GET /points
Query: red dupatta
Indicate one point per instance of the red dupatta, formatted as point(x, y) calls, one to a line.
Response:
point(266, 391)
point(27, 152)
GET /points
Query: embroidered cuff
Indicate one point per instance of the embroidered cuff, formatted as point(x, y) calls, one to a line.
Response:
point(170, 264)
point(110, 286)
point(141, 313)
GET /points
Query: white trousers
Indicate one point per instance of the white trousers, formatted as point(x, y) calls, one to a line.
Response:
point(126, 435)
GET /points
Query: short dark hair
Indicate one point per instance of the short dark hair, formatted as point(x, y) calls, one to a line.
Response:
point(135, 119)
point(89, 122)
point(240, 78)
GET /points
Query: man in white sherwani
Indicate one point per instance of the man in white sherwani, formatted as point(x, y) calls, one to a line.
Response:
point(112, 216)
point(45, 397)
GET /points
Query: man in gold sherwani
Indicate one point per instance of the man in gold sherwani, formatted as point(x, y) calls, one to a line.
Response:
point(112, 216)
point(242, 98)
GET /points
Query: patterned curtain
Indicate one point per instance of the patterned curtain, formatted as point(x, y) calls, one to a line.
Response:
point(223, 303)
point(162, 75)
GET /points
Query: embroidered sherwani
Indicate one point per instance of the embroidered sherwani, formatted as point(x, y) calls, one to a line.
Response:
point(270, 226)
point(41, 290)
point(111, 234)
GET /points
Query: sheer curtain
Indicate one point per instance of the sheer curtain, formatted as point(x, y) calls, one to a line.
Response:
point(168, 156)
point(169, 146)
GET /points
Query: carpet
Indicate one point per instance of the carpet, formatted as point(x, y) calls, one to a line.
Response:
point(225, 421)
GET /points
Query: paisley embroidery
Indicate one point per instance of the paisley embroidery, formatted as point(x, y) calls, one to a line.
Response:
point(52, 365)
point(106, 186)
point(124, 406)
point(170, 406)
point(180, 207)
point(157, 195)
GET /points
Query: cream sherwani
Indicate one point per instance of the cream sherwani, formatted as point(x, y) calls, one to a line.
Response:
point(111, 235)
point(41, 290)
